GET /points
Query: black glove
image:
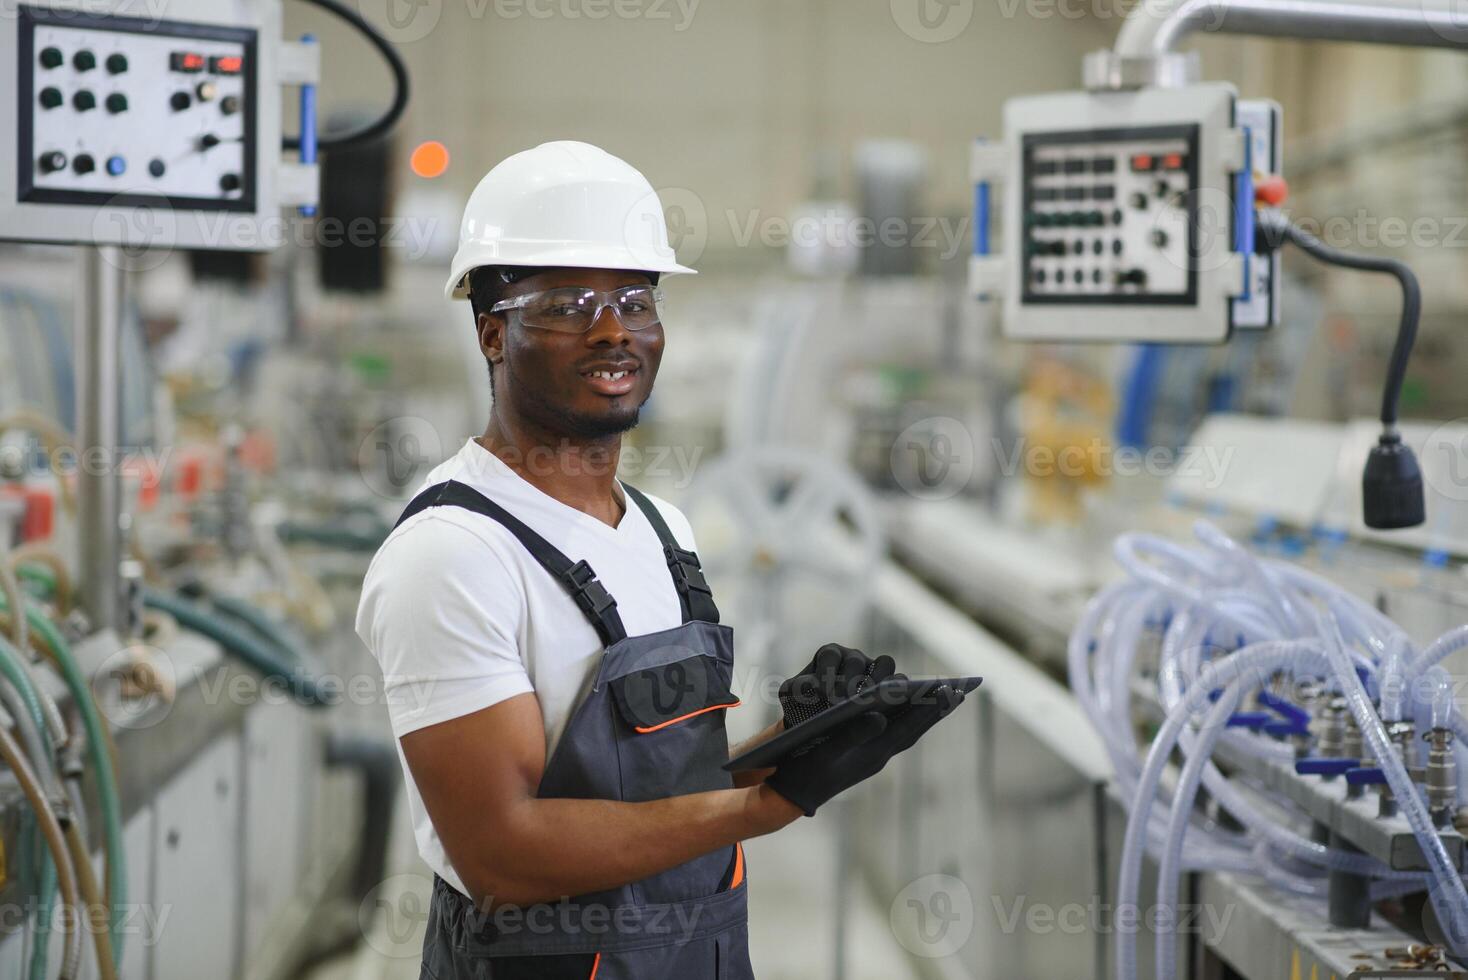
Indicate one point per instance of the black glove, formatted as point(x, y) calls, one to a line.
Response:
point(835, 673)
point(856, 751)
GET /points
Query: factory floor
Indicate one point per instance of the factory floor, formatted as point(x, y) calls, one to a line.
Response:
point(792, 907)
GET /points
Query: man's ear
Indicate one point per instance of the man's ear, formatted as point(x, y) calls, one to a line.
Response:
point(492, 337)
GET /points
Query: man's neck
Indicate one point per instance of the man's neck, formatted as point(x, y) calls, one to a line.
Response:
point(579, 473)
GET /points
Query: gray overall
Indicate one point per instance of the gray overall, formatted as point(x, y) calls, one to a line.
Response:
point(650, 727)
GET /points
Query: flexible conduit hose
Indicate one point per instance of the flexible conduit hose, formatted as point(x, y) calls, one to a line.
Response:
point(14, 758)
point(102, 754)
point(255, 652)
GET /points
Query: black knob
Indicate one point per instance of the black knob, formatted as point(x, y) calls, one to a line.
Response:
point(84, 60)
point(84, 100)
point(1139, 201)
point(117, 63)
point(180, 101)
point(83, 164)
point(1163, 188)
point(156, 167)
point(229, 105)
point(1116, 246)
point(53, 161)
point(51, 57)
point(1132, 277)
point(116, 102)
point(229, 182)
point(1159, 238)
point(51, 98)
point(208, 141)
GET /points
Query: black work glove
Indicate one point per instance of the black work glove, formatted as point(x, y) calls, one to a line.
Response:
point(834, 674)
point(856, 751)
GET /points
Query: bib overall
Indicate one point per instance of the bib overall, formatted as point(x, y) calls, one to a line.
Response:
point(652, 726)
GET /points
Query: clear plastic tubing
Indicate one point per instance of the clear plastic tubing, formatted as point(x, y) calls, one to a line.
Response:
point(1262, 659)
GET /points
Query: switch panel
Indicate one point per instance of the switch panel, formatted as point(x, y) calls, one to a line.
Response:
point(158, 96)
point(122, 128)
point(1109, 216)
point(1118, 215)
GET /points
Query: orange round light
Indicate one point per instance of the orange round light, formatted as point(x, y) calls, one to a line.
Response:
point(430, 159)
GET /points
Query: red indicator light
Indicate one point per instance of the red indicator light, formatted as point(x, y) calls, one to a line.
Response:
point(186, 61)
point(1173, 161)
point(226, 64)
point(1142, 162)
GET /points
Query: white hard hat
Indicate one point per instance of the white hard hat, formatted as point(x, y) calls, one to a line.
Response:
point(562, 204)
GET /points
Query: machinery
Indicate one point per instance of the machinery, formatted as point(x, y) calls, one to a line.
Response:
point(173, 664)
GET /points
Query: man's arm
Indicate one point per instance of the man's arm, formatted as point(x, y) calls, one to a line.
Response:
point(478, 776)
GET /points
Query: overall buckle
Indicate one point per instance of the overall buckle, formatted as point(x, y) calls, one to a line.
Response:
point(687, 571)
point(590, 595)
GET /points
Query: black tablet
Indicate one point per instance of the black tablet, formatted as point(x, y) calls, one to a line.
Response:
point(889, 696)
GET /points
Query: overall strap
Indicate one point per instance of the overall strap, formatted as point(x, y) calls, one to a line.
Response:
point(694, 594)
point(576, 578)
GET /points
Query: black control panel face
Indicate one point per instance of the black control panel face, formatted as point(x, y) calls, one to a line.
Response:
point(121, 109)
point(1110, 216)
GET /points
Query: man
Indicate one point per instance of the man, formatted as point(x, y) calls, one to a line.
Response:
point(557, 677)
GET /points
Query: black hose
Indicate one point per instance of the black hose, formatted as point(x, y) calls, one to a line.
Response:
point(1275, 229)
point(399, 70)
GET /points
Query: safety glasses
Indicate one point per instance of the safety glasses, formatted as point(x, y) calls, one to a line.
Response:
point(573, 309)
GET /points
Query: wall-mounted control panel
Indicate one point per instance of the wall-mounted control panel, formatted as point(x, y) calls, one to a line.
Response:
point(1119, 217)
point(145, 132)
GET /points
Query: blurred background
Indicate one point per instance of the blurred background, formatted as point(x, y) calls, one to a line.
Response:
point(813, 159)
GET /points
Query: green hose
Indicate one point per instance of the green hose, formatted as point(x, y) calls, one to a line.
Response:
point(10, 666)
point(107, 792)
point(342, 536)
point(257, 653)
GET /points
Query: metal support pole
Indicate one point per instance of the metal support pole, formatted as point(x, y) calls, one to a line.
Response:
point(97, 335)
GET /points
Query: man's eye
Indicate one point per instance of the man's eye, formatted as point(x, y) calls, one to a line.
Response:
point(634, 306)
point(563, 309)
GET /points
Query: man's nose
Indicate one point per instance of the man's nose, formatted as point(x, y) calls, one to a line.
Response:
point(606, 328)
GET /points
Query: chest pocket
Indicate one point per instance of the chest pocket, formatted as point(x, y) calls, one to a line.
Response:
point(656, 698)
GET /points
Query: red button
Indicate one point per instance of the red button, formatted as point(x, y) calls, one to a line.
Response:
point(188, 61)
point(226, 64)
point(1173, 161)
point(1271, 189)
point(1142, 162)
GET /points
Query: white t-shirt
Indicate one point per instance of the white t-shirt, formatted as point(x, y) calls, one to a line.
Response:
point(461, 617)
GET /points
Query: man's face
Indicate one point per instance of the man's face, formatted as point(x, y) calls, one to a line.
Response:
point(549, 378)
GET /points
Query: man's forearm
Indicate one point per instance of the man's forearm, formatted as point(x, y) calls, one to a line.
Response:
point(753, 777)
point(554, 848)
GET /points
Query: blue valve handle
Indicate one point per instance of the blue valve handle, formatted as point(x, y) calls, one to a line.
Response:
point(1365, 777)
point(1320, 766)
point(1289, 709)
point(1284, 729)
point(1249, 719)
point(308, 126)
point(981, 217)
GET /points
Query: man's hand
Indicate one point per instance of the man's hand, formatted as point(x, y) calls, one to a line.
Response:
point(857, 750)
point(834, 674)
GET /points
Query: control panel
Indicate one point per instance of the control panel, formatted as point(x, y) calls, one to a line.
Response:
point(109, 108)
point(1118, 215)
point(1109, 216)
point(149, 133)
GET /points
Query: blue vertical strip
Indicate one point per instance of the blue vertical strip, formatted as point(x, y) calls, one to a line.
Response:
point(1139, 399)
point(308, 125)
point(1244, 214)
point(981, 218)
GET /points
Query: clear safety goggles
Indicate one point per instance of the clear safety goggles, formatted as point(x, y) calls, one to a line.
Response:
point(573, 309)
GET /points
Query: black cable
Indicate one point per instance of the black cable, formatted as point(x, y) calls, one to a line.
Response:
point(400, 83)
point(1392, 494)
point(1277, 229)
